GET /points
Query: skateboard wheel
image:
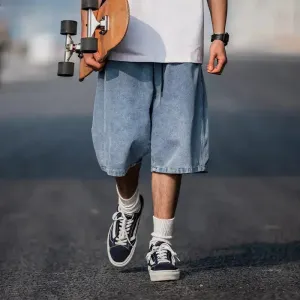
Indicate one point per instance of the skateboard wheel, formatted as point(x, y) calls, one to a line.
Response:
point(89, 45)
point(65, 69)
point(68, 27)
point(89, 4)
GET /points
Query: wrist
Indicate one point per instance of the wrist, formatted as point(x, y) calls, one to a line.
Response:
point(223, 37)
point(83, 33)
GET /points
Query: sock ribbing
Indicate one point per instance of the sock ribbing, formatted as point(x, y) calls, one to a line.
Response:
point(131, 205)
point(163, 228)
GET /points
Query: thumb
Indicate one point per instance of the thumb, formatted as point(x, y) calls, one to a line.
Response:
point(210, 65)
point(97, 57)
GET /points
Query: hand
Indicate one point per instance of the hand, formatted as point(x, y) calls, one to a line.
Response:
point(218, 54)
point(92, 60)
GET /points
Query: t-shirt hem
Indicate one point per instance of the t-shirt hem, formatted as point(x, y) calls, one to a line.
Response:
point(136, 58)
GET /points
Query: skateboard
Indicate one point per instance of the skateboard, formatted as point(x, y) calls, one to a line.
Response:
point(106, 27)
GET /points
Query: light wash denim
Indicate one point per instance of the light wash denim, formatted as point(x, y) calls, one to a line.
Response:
point(151, 108)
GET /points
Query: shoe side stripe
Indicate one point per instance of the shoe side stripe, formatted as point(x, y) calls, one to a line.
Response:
point(136, 225)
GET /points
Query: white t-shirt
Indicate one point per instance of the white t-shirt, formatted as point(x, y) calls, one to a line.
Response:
point(163, 31)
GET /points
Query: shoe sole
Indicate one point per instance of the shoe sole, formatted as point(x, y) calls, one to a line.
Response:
point(128, 259)
point(164, 275)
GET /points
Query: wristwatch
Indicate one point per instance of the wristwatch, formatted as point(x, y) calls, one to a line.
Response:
point(224, 37)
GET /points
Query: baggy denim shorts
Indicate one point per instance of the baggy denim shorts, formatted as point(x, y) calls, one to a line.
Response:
point(151, 108)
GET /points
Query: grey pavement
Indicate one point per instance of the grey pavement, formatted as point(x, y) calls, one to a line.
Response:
point(237, 226)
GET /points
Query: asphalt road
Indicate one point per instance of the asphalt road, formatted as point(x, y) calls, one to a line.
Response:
point(237, 226)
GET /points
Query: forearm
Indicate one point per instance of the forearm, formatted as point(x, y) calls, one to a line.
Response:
point(84, 20)
point(218, 11)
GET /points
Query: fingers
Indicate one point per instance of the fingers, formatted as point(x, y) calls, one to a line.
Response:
point(92, 62)
point(97, 57)
point(221, 62)
point(218, 57)
point(220, 66)
point(211, 62)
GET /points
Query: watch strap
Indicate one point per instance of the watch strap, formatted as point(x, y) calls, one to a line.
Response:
point(224, 37)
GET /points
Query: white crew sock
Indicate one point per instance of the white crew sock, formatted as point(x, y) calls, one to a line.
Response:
point(131, 205)
point(163, 228)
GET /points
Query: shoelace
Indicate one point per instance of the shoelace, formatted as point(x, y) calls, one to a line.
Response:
point(162, 252)
point(124, 228)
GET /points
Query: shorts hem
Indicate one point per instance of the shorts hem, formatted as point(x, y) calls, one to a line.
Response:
point(186, 170)
point(118, 172)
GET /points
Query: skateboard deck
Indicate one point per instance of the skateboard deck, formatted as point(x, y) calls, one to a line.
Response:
point(118, 21)
point(106, 27)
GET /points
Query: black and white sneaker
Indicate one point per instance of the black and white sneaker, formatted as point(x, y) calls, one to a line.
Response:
point(161, 261)
point(122, 236)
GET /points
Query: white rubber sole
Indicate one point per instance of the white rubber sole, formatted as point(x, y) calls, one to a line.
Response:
point(164, 275)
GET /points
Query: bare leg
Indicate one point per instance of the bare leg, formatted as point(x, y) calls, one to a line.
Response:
point(165, 192)
point(161, 257)
point(128, 184)
point(121, 240)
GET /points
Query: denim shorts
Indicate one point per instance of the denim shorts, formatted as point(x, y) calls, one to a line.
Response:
point(151, 108)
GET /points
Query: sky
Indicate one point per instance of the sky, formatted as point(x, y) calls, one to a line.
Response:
point(38, 16)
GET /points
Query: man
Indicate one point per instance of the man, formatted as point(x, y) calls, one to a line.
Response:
point(151, 99)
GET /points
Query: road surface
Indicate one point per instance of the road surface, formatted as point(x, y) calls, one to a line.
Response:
point(237, 226)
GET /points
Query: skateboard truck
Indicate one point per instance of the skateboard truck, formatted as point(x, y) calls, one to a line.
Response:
point(93, 24)
point(88, 44)
point(106, 27)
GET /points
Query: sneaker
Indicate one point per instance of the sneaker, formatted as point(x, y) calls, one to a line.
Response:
point(122, 236)
point(161, 261)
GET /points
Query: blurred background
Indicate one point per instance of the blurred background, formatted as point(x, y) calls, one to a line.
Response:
point(237, 226)
point(269, 27)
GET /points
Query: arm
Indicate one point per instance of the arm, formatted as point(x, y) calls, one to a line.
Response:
point(218, 11)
